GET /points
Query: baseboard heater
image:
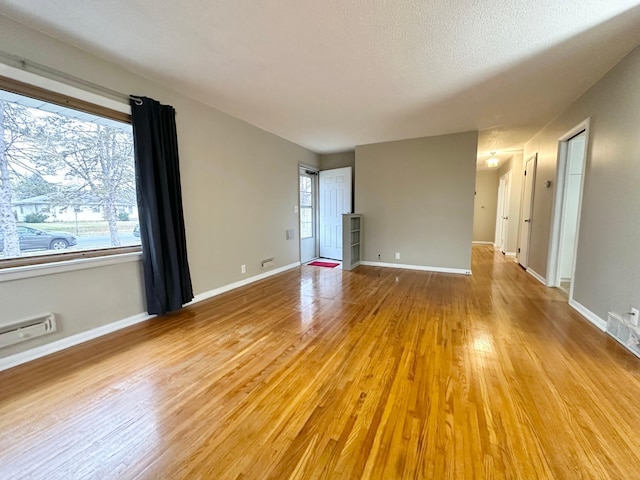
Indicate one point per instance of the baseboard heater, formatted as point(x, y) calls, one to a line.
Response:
point(27, 329)
point(624, 332)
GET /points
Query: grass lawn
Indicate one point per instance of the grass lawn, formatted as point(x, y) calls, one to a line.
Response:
point(83, 228)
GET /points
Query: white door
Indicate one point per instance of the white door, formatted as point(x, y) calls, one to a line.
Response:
point(499, 214)
point(527, 209)
point(574, 169)
point(506, 202)
point(335, 199)
point(308, 215)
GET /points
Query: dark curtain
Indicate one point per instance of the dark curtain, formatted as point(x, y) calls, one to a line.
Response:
point(164, 248)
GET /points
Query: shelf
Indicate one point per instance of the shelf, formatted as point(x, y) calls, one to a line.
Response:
point(351, 240)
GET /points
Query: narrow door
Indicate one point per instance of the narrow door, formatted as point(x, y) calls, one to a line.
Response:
point(308, 216)
point(574, 167)
point(527, 209)
point(499, 214)
point(335, 199)
point(506, 202)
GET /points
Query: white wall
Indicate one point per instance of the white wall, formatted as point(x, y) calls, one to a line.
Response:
point(239, 192)
point(607, 274)
point(417, 199)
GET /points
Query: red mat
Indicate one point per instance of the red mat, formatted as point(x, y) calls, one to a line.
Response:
point(323, 264)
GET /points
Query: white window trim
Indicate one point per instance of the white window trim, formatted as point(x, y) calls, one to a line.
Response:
point(50, 268)
point(62, 88)
point(29, 271)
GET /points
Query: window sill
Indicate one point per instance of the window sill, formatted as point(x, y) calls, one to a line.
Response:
point(38, 270)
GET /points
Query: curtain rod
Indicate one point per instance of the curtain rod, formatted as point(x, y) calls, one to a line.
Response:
point(53, 74)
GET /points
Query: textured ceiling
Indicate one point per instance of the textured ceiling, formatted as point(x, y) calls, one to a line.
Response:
point(333, 74)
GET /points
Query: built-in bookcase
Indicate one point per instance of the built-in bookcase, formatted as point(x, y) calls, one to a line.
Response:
point(351, 240)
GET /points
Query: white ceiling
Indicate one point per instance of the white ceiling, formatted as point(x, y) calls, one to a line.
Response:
point(333, 74)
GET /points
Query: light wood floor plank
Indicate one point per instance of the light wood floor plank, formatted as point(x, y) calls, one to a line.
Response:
point(325, 374)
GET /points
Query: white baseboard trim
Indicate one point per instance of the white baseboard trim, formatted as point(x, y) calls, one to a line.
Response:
point(589, 315)
point(225, 288)
point(537, 276)
point(459, 271)
point(72, 341)
point(77, 339)
point(482, 243)
point(509, 254)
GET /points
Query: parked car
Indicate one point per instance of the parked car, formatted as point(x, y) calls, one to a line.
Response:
point(136, 230)
point(34, 239)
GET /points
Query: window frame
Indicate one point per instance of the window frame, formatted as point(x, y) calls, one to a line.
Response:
point(311, 207)
point(26, 84)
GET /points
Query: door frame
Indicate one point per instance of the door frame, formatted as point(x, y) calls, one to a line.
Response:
point(504, 203)
point(326, 251)
point(529, 215)
point(553, 276)
point(316, 217)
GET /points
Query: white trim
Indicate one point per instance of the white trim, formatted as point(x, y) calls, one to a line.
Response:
point(72, 341)
point(509, 254)
point(28, 271)
point(62, 88)
point(225, 288)
point(529, 215)
point(555, 236)
point(537, 276)
point(82, 337)
point(483, 243)
point(459, 271)
point(589, 315)
point(308, 167)
point(316, 211)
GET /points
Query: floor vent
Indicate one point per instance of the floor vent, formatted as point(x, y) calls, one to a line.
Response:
point(27, 329)
point(623, 331)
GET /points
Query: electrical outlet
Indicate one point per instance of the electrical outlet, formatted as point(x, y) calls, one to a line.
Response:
point(633, 316)
point(243, 269)
point(397, 255)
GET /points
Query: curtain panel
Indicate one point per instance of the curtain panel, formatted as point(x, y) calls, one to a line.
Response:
point(164, 248)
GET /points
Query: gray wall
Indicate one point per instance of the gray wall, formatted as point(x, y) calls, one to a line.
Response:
point(239, 192)
point(516, 166)
point(330, 161)
point(485, 206)
point(417, 199)
point(607, 273)
point(337, 160)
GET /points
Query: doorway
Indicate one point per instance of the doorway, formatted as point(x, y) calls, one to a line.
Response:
point(502, 220)
point(308, 201)
point(572, 156)
point(527, 210)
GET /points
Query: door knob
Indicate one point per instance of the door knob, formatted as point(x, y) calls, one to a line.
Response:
point(527, 220)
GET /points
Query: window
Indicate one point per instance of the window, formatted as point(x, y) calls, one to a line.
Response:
point(67, 176)
point(306, 207)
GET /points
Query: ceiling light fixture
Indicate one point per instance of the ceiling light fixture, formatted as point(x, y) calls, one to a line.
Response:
point(493, 161)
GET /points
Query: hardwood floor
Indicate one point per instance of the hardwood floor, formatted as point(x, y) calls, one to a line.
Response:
point(322, 373)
